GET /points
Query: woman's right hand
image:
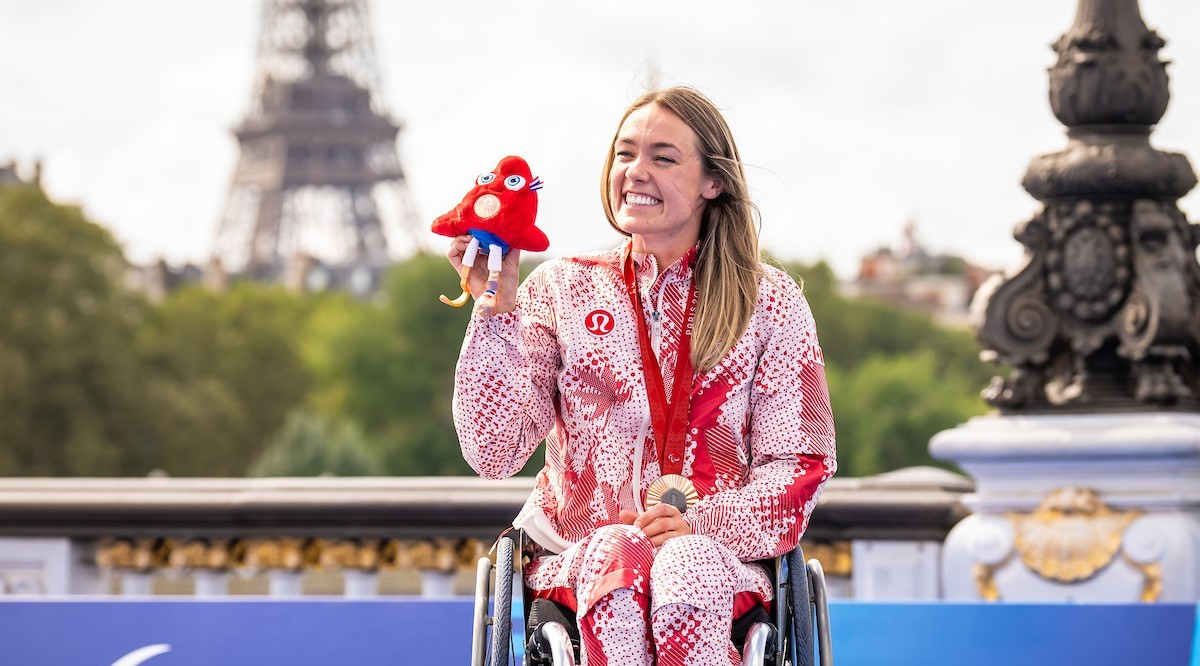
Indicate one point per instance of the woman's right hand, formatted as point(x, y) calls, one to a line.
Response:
point(506, 295)
point(659, 523)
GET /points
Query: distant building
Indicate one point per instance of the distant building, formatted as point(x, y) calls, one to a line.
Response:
point(302, 273)
point(11, 174)
point(909, 277)
point(158, 279)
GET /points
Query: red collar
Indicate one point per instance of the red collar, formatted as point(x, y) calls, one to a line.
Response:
point(684, 264)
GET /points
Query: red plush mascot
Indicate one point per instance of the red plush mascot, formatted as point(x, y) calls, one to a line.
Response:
point(499, 213)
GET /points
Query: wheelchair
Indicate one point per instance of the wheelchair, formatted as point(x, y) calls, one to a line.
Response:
point(794, 633)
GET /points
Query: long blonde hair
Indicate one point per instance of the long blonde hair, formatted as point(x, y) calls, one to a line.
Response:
point(728, 268)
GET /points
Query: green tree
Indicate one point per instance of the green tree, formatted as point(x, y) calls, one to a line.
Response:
point(69, 390)
point(223, 370)
point(420, 438)
point(389, 366)
point(310, 444)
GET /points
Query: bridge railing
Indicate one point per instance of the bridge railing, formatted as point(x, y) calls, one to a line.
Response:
point(878, 537)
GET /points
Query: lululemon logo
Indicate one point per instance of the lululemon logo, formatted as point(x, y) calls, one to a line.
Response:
point(599, 322)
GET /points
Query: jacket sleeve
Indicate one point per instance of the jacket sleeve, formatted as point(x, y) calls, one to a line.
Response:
point(504, 384)
point(792, 451)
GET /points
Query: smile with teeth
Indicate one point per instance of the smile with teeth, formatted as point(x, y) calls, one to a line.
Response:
point(634, 199)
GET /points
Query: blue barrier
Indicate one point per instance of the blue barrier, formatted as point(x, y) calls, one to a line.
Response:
point(1008, 634)
point(234, 632)
point(256, 631)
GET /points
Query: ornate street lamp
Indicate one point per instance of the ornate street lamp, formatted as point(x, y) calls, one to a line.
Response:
point(1105, 314)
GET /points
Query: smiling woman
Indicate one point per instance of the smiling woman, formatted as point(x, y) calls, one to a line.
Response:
point(680, 389)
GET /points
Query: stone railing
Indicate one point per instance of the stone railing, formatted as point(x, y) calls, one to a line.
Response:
point(878, 537)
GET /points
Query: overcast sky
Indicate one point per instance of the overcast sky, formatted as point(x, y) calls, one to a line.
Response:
point(853, 116)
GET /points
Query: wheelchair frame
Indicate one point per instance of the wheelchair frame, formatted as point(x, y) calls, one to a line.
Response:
point(765, 643)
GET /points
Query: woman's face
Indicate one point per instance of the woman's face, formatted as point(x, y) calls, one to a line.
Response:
point(657, 185)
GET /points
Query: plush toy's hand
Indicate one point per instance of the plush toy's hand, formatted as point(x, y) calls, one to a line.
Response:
point(506, 296)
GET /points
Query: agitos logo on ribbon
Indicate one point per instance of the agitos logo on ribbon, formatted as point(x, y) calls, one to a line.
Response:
point(599, 322)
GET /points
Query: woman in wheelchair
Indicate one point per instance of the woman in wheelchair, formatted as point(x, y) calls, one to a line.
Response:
point(680, 389)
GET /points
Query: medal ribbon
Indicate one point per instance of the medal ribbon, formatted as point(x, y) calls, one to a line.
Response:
point(669, 418)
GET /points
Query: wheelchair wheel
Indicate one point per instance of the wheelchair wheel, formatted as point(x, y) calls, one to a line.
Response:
point(799, 599)
point(502, 607)
point(816, 576)
point(480, 619)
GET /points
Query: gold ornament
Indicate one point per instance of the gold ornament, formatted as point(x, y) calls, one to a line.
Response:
point(1071, 535)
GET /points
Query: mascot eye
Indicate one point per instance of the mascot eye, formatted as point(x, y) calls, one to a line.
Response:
point(514, 183)
point(485, 178)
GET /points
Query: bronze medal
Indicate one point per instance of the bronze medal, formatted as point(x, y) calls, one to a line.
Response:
point(673, 489)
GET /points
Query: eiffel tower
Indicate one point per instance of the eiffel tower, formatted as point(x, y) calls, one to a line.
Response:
point(319, 198)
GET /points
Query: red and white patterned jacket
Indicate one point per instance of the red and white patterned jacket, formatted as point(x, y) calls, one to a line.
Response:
point(566, 366)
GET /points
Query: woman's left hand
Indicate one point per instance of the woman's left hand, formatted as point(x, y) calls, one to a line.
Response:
point(660, 522)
